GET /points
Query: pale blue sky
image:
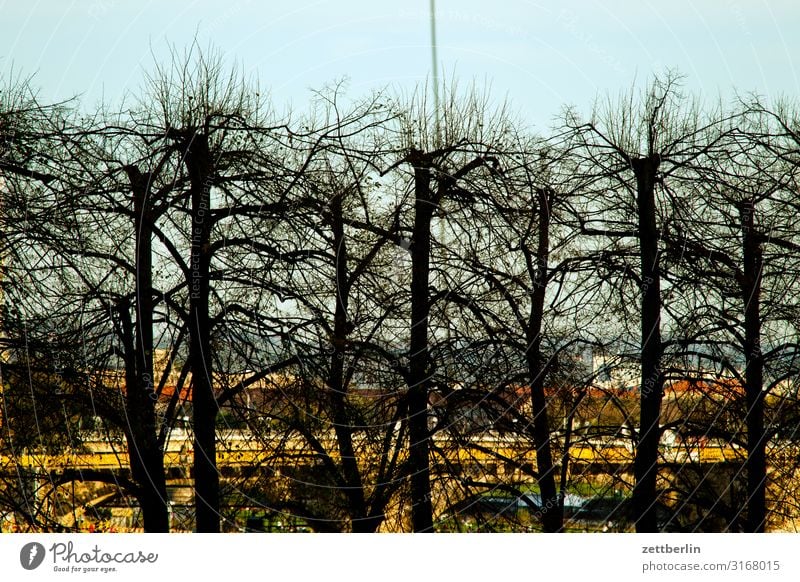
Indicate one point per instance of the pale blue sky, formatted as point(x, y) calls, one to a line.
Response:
point(542, 54)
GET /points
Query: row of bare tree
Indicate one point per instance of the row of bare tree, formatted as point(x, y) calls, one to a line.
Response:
point(374, 274)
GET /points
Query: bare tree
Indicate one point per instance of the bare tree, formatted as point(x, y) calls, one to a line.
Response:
point(731, 227)
point(636, 149)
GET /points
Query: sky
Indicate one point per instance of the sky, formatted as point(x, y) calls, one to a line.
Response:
point(540, 55)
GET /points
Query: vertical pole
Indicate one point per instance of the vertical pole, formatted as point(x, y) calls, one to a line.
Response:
point(435, 70)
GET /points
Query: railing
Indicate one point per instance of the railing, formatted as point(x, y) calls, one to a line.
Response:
point(240, 449)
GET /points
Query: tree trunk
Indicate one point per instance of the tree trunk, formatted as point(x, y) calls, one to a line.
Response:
point(652, 386)
point(419, 454)
point(342, 426)
point(140, 436)
point(204, 405)
point(552, 517)
point(755, 464)
point(152, 480)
